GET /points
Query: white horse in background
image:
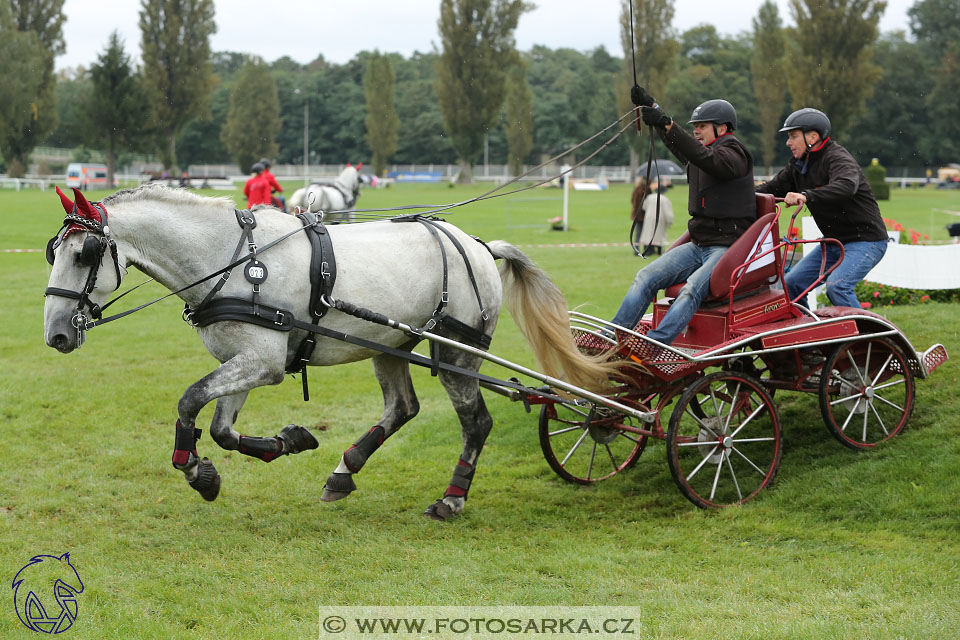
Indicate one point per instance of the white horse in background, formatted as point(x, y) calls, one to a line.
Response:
point(339, 196)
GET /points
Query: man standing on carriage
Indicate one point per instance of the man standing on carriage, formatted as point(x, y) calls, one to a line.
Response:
point(825, 177)
point(722, 206)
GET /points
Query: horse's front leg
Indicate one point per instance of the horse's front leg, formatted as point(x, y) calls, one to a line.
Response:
point(230, 384)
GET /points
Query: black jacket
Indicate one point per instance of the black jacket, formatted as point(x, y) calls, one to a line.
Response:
point(838, 194)
point(721, 202)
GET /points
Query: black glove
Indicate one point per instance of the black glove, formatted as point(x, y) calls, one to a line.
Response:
point(655, 117)
point(640, 97)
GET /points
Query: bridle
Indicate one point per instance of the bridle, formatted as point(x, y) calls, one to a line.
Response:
point(94, 248)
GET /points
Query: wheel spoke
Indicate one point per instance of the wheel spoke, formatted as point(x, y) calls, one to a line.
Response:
point(748, 461)
point(574, 448)
point(866, 414)
point(853, 362)
point(734, 477)
point(892, 383)
point(850, 415)
point(726, 425)
point(612, 459)
point(593, 454)
point(702, 423)
point(716, 478)
point(742, 440)
point(879, 419)
point(847, 399)
point(892, 404)
point(747, 421)
point(558, 432)
point(882, 369)
point(717, 410)
point(703, 462)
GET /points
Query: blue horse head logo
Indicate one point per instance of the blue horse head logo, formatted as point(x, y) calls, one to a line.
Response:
point(45, 593)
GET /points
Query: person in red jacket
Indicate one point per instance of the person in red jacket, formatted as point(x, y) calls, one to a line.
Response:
point(274, 185)
point(257, 188)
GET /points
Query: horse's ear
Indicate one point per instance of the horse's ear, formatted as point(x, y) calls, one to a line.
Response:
point(67, 204)
point(84, 208)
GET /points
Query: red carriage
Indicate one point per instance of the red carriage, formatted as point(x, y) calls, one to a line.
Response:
point(710, 395)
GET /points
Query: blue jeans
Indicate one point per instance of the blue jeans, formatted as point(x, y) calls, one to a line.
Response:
point(858, 259)
point(686, 262)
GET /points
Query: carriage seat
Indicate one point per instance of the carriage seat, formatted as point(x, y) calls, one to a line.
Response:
point(766, 231)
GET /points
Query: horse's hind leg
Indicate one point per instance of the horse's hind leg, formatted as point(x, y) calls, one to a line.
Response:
point(475, 422)
point(400, 405)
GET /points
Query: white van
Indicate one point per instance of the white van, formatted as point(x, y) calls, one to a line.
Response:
point(87, 176)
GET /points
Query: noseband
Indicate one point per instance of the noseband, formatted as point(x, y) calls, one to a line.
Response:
point(91, 255)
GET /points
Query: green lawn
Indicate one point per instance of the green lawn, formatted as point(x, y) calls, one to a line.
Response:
point(845, 545)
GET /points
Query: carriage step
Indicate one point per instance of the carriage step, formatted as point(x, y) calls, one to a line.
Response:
point(933, 358)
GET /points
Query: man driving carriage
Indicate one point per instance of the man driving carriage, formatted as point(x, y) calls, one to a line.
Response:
point(825, 177)
point(722, 206)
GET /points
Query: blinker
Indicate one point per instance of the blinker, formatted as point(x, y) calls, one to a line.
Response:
point(91, 251)
point(52, 244)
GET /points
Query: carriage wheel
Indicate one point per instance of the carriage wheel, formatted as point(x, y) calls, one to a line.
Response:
point(724, 441)
point(868, 395)
point(584, 444)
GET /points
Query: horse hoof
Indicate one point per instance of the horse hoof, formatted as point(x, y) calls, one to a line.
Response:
point(207, 482)
point(297, 439)
point(339, 485)
point(439, 510)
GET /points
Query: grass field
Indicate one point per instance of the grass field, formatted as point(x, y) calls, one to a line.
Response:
point(845, 545)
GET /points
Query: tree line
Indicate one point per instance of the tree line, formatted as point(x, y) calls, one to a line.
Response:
point(892, 96)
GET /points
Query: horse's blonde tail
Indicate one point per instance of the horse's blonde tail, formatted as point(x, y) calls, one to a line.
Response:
point(540, 310)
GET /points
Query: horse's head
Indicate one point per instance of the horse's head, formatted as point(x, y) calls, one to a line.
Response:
point(86, 269)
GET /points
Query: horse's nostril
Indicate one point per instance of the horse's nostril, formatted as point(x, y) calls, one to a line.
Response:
point(59, 342)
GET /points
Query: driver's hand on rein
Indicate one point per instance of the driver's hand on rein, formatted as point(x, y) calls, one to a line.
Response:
point(640, 97)
point(655, 117)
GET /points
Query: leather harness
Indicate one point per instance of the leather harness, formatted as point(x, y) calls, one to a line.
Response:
point(323, 273)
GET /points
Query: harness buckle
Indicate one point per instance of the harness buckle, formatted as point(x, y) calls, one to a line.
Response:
point(279, 319)
point(444, 297)
point(431, 323)
point(484, 315)
point(324, 270)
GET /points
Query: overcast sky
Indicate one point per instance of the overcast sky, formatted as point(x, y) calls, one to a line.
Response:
point(339, 29)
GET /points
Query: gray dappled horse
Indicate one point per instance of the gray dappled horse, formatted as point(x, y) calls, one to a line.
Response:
point(394, 268)
point(339, 196)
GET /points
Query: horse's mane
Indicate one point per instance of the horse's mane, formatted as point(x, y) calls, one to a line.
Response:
point(167, 194)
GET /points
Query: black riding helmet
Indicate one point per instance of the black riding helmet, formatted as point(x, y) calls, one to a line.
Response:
point(257, 167)
point(717, 112)
point(808, 120)
point(265, 162)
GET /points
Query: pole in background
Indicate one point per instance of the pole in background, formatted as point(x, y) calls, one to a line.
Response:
point(306, 138)
point(566, 193)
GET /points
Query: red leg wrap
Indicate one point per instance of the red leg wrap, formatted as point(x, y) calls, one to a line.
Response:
point(185, 444)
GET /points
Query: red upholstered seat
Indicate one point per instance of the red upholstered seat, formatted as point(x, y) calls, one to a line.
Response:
point(766, 230)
